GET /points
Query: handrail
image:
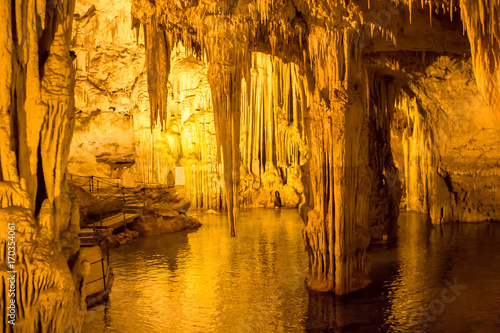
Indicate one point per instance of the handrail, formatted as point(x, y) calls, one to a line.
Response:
point(120, 193)
point(96, 280)
point(106, 180)
point(115, 195)
point(98, 179)
point(95, 262)
point(104, 272)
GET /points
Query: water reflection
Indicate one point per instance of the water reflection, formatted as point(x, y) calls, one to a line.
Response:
point(437, 278)
point(207, 281)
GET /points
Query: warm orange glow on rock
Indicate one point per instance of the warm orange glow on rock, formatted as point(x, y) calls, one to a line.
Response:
point(348, 110)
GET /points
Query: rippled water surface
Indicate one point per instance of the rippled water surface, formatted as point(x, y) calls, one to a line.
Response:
point(436, 279)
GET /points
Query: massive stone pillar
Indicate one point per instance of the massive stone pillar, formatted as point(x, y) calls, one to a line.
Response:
point(336, 235)
point(42, 276)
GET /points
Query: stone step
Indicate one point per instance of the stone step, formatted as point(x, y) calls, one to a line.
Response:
point(135, 205)
point(86, 233)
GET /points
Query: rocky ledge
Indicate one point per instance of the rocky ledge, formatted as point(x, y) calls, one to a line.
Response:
point(164, 217)
point(158, 211)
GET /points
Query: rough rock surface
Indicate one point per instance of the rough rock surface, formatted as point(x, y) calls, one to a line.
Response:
point(36, 125)
point(345, 108)
point(448, 145)
point(165, 217)
point(109, 64)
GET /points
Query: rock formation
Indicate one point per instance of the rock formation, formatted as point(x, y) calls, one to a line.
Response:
point(348, 107)
point(39, 219)
point(366, 105)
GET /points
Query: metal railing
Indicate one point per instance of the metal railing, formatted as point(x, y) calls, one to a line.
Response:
point(95, 183)
point(120, 194)
point(105, 272)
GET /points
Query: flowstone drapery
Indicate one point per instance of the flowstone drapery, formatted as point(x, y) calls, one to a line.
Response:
point(37, 118)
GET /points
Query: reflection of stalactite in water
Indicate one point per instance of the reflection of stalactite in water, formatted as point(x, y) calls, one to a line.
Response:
point(324, 304)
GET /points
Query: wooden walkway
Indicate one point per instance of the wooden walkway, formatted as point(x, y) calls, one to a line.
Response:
point(116, 221)
point(88, 235)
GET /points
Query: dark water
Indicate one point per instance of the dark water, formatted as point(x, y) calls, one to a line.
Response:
point(436, 279)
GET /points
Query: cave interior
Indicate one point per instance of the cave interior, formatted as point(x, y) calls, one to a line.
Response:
point(352, 110)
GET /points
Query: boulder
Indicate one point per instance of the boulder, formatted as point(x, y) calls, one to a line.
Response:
point(182, 206)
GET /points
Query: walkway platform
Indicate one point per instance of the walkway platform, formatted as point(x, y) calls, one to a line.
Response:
point(116, 221)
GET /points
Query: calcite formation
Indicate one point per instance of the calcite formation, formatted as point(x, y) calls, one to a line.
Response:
point(110, 77)
point(358, 117)
point(352, 108)
point(39, 219)
point(449, 141)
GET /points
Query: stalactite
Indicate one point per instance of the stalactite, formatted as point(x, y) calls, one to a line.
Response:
point(158, 50)
point(226, 85)
point(425, 189)
point(8, 159)
point(481, 22)
point(273, 142)
point(331, 114)
point(229, 64)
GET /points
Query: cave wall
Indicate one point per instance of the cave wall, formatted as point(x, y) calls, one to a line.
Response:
point(273, 142)
point(110, 65)
point(114, 136)
point(370, 121)
point(344, 107)
point(447, 136)
point(37, 120)
point(188, 138)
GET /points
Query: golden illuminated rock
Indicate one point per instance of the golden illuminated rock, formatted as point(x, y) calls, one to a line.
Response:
point(361, 67)
point(347, 108)
point(39, 219)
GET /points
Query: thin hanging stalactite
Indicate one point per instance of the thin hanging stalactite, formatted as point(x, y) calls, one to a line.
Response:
point(226, 90)
point(158, 51)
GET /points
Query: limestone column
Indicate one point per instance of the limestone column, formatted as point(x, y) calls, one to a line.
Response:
point(37, 118)
point(336, 235)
